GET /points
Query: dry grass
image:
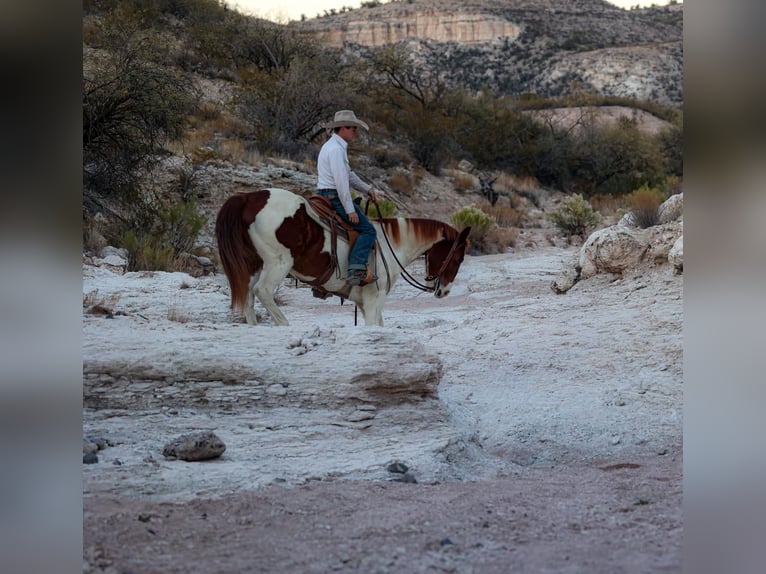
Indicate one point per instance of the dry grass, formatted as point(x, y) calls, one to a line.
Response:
point(504, 216)
point(94, 304)
point(463, 182)
point(494, 240)
point(644, 204)
point(177, 316)
point(401, 182)
point(609, 205)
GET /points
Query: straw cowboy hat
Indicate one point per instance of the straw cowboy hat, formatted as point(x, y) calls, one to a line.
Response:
point(347, 118)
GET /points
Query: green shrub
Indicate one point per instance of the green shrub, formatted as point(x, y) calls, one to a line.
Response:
point(159, 236)
point(472, 217)
point(383, 208)
point(574, 216)
point(147, 252)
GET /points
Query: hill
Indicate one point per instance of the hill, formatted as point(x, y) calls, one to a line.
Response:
point(185, 103)
point(514, 47)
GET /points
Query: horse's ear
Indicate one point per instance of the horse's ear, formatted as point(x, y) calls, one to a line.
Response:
point(463, 235)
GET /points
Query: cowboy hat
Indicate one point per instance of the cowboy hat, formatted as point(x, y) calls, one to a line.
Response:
point(347, 118)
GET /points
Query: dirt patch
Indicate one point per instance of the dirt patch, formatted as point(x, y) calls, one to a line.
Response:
point(558, 519)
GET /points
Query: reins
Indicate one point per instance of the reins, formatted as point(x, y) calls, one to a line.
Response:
point(405, 274)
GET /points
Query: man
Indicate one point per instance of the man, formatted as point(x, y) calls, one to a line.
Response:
point(335, 180)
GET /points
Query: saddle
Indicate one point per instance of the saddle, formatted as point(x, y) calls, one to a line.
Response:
point(333, 222)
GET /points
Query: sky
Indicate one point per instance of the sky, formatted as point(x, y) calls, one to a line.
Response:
point(281, 11)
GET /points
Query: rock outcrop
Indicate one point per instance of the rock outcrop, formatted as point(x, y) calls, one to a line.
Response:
point(624, 248)
point(436, 25)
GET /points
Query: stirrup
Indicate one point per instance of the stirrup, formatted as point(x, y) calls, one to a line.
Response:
point(361, 277)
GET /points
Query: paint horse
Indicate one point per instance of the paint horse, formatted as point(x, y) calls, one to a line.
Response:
point(264, 236)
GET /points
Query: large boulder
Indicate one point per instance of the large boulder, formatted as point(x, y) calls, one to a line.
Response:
point(672, 209)
point(611, 250)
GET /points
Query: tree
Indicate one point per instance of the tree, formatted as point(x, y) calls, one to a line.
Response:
point(132, 103)
point(286, 106)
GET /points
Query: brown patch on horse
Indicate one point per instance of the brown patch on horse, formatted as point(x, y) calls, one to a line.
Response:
point(255, 201)
point(238, 256)
point(305, 239)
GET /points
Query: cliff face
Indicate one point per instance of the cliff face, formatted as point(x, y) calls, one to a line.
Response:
point(544, 47)
point(434, 25)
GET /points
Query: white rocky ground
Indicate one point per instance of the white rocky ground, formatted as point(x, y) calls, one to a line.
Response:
point(504, 383)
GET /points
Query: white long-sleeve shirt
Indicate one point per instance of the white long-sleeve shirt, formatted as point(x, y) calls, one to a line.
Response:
point(334, 171)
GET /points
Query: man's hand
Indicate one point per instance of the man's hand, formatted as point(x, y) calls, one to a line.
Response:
point(372, 195)
point(353, 218)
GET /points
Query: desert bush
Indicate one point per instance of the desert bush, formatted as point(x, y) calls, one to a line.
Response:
point(157, 236)
point(494, 240)
point(133, 103)
point(609, 204)
point(401, 182)
point(388, 157)
point(671, 185)
point(644, 205)
point(147, 252)
point(472, 216)
point(481, 225)
point(574, 216)
point(463, 181)
point(383, 208)
point(504, 216)
point(286, 106)
point(613, 159)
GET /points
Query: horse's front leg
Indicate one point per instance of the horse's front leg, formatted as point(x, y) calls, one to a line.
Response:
point(265, 286)
point(371, 306)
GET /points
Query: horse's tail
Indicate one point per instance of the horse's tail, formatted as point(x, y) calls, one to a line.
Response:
point(238, 256)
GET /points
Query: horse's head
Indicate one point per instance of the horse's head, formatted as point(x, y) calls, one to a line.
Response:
point(443, 262)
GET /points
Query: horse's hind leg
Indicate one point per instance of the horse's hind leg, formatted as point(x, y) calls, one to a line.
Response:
point(264, 289)
point(250, 316)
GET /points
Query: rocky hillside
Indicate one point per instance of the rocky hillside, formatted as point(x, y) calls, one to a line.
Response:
point(543, 47)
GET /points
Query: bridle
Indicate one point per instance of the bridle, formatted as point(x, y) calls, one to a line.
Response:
point(447, 261)
point(406, 274)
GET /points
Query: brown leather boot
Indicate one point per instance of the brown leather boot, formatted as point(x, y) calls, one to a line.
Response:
point(361, 277)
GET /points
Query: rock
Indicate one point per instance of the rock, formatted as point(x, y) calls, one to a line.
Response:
point(397, 468)
point(566, 280)
point(672, 209)
point(114, 263)
point(202, 445)
point(406, 477)
point(660, 239)
point(465, 165)
point(90, 458)
point(89, 447)
point(676, 255)
point(628, 220)
point(110, 251)
point(197, 266)
point(611, 250)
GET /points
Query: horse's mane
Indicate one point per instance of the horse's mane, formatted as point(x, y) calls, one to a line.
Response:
point(421, 227)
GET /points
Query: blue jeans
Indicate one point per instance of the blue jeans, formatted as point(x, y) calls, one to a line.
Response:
point(357, 259)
